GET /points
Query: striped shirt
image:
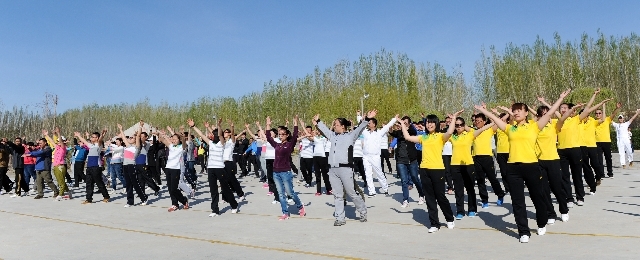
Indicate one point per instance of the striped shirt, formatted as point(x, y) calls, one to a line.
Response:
point(215, 161)
point(93, 156)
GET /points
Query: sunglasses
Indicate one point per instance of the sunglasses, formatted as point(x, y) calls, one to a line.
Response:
point(459, 125)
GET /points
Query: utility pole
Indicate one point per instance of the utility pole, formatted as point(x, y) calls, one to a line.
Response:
point(362, 103)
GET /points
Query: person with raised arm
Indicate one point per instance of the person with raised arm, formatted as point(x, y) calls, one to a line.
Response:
point(603, 137)
point(306, 153)
point(589, 148)
point(229, 137)
point(463, 167)
point(215, 168)
point(43, 168)
point(270, 156)
point(59, 166)
point(483, 161)
point(341, 163)
point(407, 164)
point(372, 138)
point(129, 154)
point(432, 170)
point(624, 139)
point(282, 174)
point(524, 165)
point(94, 175)
point(172, 170)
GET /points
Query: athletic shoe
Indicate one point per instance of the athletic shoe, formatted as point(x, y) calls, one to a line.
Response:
point(234, 211)
point(302, 212)
point(542, 231)
point(306, 185)
point(371, 195)
point(172, 208)
point(564, 217)
point(241, 198)
point(274, 202)
point(524, 239)
point(112, 191)
point(300, 181)
point(127, 205)
point(266, 185)
point(38, 197)
point(385, 192)
point(433, 229)
point(289, 200)
point(450, 225)
point(318, 194)
point(338, 223)
point(405, 204)
point(630, 164)
point(148, 189)
point(459, 216)
point(471, 214)
point(144, 203)
point(283, 217)
point(598, 182)
point(611, 177)
point(580, 203)
point(157, 193)
point(363, 218)
point(269, 193)
point(1, 192)
point(213, 215)
point(330, 192)
point(421, 201)
point(551, 221)
point(592, 193)
point(105, 200)
point(86, 202)
point(58, 198)
point(186, 205)
point(500, 201)
point(14, 196)
point(410, 187)
point(485, 205)
point(570, 204)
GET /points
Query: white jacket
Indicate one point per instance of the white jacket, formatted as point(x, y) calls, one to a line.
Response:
point(373, 139)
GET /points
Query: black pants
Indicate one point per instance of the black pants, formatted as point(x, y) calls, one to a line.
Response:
point(201, 162)
point(320, 169)
point(358, 166)
point(484, 168)
point(155, 173)
point(384, 155)
point(272, 184)
point(242, 162)
point(502, 159)
point(4, 179)
point(529, 174)
point(294, 169)
point(604, 148)
point(589, 165)
point(306, 166)
point(447, 171)
point(433, 186)
point(234, 184)
point(94, 176)
point(144, 178)
point(21, 184)
point(571, 158)
point(220, 175)
point(464, 178)
point(131, 178)
point(552, 182)
point(256, 165)
point(78, 173)
point(173, 179)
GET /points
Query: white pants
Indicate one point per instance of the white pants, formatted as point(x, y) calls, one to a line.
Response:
point(371, 165)
point(624, 149)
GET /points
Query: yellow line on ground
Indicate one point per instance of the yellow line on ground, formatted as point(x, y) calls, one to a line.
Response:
point(284, 250)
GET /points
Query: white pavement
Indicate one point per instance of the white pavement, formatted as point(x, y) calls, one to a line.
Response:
point(607, 226)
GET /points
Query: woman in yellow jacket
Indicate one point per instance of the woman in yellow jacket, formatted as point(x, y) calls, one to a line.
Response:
point(523, 164)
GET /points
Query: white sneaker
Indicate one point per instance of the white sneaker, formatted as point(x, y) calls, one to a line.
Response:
point(524, 239)
point(421, 201)
point(59, 198)
point(242, 198)
point(551, 221)
point(290, 201)
point(148, 189)
point(405, 204)
point(14, 196)
point(144, 203)
point(580, 203)
point(112, 192)
point(274, 202)
point(564, 217)
point(213, 215)
point(542, 231)
point(433, 229)
point(570, 205)
point(450, 225)
point(127, 205)
point(592, 193)
point(1, 192)
point(234, 211)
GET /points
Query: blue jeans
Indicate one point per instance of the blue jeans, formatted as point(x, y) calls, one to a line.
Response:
point(191, 170)
point(408, 174)
point(284, 183)
point(115, 170)
point(29, 172)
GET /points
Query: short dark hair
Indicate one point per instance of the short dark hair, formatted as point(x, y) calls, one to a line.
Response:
point(97, 134)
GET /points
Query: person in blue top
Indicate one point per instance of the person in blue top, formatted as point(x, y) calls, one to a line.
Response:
point(80, 156)
point(253, 152)
point(43, 168)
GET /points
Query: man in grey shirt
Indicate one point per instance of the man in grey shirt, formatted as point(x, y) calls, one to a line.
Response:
point(341, 162)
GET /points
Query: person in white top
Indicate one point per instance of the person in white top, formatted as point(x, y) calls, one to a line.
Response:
point(624, 139)
point(447, 152)
point(384, 153)
point(306, 154)
point(172, 170)
point(215, 168)
point(229, 165)
point(371, 150)
point(320, 162)
point(358, 163)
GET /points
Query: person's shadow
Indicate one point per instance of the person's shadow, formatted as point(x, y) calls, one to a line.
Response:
point(497, 221)
point(419, 215)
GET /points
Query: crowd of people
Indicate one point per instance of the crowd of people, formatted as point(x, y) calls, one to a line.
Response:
point(548, 150)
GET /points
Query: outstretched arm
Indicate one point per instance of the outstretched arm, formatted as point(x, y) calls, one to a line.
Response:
point(452, 125)
point(566, 115)
point(193, 126)
point(634, 116)
point(405, 132)
point(543, 120)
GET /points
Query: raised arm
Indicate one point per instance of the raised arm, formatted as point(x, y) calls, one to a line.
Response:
point(584, 113)
point(323, 128)
point(163, 138)
point(634, 116)
point(405, 132)
point(386, 127)
point(566, 115)
point(483, 109)
point(476, 133)
point(193, 126)
point(543, 120)
point(615, 111)
point(45, 133)
point(544, 102)
point(221, 133)
point(81, 139)
point(356, 133)
point(452, 125)
point(269, 138)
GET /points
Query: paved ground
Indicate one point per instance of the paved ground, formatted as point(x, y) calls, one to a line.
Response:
point(607, 226)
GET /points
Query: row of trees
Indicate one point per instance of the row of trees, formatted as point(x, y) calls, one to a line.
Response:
point(395, 84)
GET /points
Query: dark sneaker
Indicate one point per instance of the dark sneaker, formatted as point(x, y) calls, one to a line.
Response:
point(339, 223)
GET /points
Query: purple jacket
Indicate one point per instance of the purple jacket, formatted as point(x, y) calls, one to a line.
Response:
point(282, 163)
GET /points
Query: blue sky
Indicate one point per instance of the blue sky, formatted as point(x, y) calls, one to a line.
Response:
point(177, 51)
